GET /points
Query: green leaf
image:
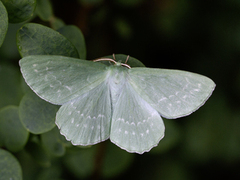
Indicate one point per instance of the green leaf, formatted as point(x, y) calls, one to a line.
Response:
point(37, 115)
point(19, 10)
point(171, 138)
point(38, 153)
point(54, 142)
point(44, 10)
point(29, 167)
point(57, 23)
point(115, 161)
point(52, 173)
point(80, 161)
point(212, 133)
point(35, 39)
point(9, 49)
point(9, 167)
point(3, 22)
point(11, 92)
point(75, 36)
point(13, 135)
point(24, 86)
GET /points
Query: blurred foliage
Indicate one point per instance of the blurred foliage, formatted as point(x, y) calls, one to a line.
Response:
point(198, 36)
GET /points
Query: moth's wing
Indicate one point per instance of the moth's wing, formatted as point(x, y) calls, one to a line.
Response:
point(172, 93)
point(59, 79)
point(86, 120)
point(136, 126)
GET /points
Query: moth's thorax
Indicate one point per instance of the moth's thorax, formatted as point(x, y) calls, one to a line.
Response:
point(117, 79)
point(118, 74)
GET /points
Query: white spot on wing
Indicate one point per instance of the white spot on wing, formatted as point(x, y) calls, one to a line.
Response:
point(133, 124)
point(59, 81)
point(171, 96)
point(162, 99)
point(70, 89)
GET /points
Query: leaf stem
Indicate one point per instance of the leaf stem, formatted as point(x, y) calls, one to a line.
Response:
point(99, 160)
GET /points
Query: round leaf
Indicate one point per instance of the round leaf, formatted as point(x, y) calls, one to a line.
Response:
point(9, 79)
point(3, 22)
point(9, 166)
point(9, 49)
point(74, 35)
point(57, 23)
point(35, 39)
point(208, 136)
point(52, 173)
point(54, 142)
point(115, 161)
point(80, 161)
point(38, 153)
point(19, 11)
point(44, 10)
point(13, 135)
point(171, 138)
point(37, 115)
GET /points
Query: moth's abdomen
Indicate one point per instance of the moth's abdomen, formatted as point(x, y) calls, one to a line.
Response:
point(117, 80)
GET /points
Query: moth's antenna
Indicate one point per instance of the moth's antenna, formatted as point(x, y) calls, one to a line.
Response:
point(114, 57)
point(113, 60)
point(105, 59)
point(126, 65)
point(127, 59)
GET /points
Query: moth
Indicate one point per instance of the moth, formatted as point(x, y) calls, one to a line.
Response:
point(101, 101)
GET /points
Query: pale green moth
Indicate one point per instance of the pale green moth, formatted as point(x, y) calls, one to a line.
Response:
point(118, 102)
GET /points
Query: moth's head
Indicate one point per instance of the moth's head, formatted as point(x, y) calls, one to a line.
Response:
point(118, 63)
point(115, 63)
point(121, 64)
